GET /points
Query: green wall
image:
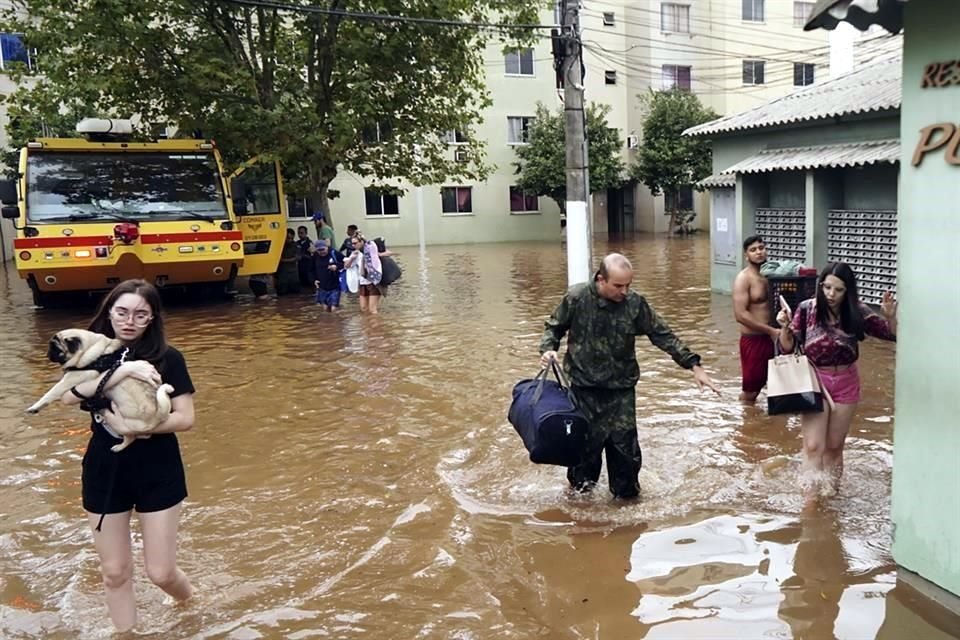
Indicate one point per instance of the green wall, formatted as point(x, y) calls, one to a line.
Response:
point(873, 187)
point(926, 461)
point(792, 189)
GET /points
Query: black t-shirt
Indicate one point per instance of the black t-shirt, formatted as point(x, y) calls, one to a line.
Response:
point(172, 368)
point(303, 248)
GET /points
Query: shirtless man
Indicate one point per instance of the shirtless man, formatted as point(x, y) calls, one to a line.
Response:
point(752, 311)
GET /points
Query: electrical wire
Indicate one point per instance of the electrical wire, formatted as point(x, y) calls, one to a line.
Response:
point(381, 17)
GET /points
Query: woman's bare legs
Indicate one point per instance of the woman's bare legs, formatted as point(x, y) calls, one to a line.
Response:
point(814, 427)
point(160, 551)
point(364, 302)
point(839, 426)
point(116, 566)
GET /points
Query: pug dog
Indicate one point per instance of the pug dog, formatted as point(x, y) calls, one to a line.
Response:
point(142, 405)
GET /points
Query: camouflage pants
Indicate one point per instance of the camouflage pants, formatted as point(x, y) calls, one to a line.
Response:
point(612, 414)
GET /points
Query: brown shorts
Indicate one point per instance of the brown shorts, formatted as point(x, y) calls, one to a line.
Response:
point(367, 290)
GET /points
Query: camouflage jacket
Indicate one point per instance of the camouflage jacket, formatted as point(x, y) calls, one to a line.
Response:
point(601, 337)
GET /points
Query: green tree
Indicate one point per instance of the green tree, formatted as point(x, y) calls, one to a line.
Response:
point(541, 165)
point(669, 161)
point(320, 92)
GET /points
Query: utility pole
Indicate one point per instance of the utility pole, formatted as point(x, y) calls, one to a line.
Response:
point(578, 182)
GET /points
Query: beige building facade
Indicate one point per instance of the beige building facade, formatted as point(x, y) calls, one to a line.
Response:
point(734, 54)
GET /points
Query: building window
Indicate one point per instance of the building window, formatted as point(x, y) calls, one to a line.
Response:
point(680, 200)
point(13, 50)
point(675, 75)
point(380, 203)
point(455, 136)
point(753, 10)
point(457, 199)
point(610, 77)
point(674, 18)
point(802, 74)
point(609, 19)
point(753, 71)
point(297, 207)
point(519, 62)
point(375, 133)
point(521, 202)
point(801, 11)
point(518, 128)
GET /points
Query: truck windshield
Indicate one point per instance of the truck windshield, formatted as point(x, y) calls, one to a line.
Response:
point(128, 185)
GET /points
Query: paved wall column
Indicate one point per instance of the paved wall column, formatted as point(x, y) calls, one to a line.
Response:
point(753, 192)
point(824, 192)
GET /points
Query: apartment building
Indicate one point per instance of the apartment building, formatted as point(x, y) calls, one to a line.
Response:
point(734, 54)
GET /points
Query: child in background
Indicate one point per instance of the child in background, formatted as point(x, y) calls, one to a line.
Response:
point(327, 265)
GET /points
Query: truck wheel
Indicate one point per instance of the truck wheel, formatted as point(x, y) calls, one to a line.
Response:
point(40, 298)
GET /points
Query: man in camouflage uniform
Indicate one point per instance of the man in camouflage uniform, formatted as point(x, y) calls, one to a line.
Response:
point(601, 320)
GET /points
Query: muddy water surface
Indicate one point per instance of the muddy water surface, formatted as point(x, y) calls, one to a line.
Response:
point(355, 477)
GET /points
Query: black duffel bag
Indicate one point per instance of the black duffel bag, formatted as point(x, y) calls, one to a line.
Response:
point(546, 416)
point(391, 270)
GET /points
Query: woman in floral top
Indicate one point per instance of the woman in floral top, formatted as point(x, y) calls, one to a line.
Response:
point(831, 327)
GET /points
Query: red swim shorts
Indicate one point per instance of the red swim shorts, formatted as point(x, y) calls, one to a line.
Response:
point(755, 352)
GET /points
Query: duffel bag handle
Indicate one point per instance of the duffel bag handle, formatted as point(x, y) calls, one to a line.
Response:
point(561, 380)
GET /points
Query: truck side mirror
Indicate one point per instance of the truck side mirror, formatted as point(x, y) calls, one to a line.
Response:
point(8, 192)
point(10, 213)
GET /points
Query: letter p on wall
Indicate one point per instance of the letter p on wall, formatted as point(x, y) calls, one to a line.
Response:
point(935, 136)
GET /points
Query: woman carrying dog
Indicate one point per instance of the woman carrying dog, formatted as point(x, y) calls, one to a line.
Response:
point(832, 325)
point(148, 476)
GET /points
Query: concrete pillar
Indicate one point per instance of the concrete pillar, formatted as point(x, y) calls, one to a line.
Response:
point(753, 192)
point(824, 191)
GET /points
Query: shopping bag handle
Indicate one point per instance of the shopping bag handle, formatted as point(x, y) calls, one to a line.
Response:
point(797, 341)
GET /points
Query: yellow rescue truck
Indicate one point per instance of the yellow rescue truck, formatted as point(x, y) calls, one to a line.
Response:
point(98, 209)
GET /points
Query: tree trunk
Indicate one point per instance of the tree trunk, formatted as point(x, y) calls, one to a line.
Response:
point(318, 197)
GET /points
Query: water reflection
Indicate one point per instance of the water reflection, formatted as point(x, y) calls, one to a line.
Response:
point(355, 476)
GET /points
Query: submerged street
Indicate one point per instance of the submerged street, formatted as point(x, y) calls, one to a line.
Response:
point(356, 477)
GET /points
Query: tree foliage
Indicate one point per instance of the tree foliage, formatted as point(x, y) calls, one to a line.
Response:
point(542, 162)
point(667, 159)
point(306, 88)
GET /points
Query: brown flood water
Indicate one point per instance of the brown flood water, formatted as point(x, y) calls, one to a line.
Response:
point(355, 477)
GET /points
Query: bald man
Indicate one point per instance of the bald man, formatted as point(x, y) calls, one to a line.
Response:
point(601, 320)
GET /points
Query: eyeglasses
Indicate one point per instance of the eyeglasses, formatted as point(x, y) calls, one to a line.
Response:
point(140, 318)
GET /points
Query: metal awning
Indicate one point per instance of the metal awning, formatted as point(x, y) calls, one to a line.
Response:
point(856, 154)
point(862, 14)
point(718, 181)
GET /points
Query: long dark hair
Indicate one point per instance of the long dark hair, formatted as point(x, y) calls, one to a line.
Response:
point(851, 319)
point(152, 345)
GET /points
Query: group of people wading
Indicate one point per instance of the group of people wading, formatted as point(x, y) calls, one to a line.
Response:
point(601, 319)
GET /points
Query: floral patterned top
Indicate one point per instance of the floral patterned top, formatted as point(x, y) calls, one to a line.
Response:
point(831, 345)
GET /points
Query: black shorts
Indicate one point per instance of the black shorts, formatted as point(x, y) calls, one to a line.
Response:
point(146, 476)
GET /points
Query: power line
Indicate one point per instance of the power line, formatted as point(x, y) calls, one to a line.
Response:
point(652, 75)
point(695, 49)
point(382, 17)
point(737, 29)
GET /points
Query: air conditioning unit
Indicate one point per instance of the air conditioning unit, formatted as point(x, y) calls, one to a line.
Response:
point(461, 155)
point(633, 142)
